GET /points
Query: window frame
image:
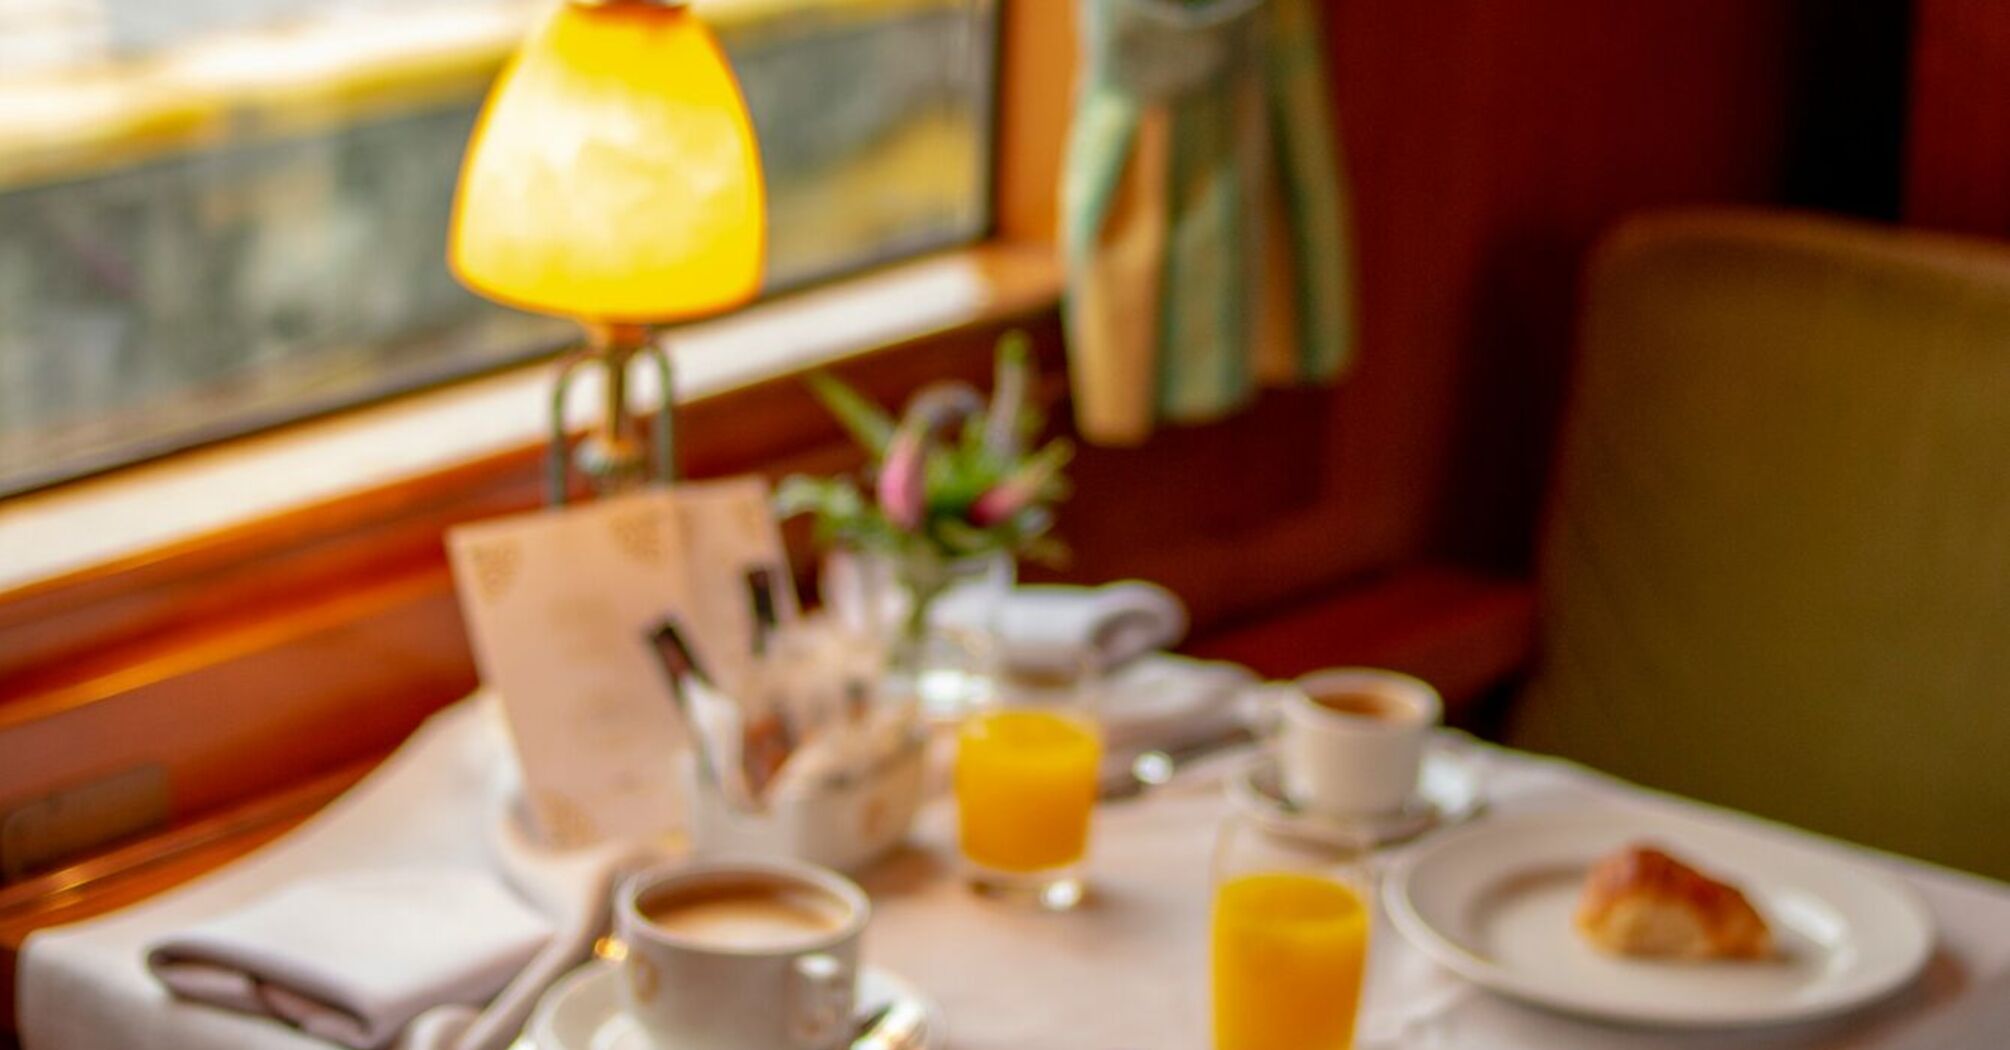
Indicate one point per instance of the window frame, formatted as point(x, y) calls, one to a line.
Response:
point(461, 58)
point(1035, 70)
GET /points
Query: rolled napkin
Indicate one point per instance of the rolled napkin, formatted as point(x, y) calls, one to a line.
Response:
point(353, 958)
point(1056, 630)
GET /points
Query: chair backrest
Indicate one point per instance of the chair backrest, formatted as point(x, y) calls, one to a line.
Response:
point(1776, 570)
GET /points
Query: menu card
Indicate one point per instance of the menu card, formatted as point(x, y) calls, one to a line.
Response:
point(559, 605)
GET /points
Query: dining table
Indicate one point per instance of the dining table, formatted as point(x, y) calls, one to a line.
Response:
point(1126, 970)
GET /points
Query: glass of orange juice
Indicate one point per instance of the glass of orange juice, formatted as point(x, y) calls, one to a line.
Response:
point(1025, 787)
point(1290, 933)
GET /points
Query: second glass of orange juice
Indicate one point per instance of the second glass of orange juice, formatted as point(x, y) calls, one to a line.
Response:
point(1025, 787)
point(1290, 942)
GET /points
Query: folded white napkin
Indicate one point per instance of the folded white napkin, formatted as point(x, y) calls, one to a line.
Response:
point(1053, 629)
point(449, 798)
point(355, 957)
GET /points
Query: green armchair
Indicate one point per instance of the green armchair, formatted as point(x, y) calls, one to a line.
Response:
point(1776, 570)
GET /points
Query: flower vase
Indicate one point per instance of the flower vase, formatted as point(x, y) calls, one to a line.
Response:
point(935, 618)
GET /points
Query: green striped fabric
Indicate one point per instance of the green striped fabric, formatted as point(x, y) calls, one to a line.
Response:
point(1245, 85)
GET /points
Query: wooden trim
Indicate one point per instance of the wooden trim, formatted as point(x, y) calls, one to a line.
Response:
point(1463, 632)
point(1037, 88)
point(1957, 162)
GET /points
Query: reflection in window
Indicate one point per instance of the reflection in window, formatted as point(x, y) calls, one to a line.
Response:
point(216, 215)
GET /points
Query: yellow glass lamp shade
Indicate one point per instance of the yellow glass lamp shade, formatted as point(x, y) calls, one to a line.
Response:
point(613, 175)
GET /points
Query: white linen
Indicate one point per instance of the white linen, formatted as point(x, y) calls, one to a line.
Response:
point(353, 958)
point(1128, 972)
point(434, 803)
point(1053, 629)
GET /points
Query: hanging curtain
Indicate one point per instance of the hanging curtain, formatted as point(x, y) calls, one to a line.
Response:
point(1204, 222)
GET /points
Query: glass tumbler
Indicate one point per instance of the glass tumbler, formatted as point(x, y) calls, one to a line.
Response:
point(1289, 939)
point(1026, 780)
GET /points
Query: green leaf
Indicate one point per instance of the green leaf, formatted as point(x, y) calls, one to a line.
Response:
point(802, 495)
point(1004, 424)
point(971, 441)
point(841, 511)
point(1045, 468)
point(967, 539)
point(869, 424)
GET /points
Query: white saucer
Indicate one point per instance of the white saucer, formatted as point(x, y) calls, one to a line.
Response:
point(583, 1011)
point(1448, 792)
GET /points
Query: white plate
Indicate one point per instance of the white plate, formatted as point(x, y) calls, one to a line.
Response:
point(583, 1011)
point(1448, 792)
point(1493, 902)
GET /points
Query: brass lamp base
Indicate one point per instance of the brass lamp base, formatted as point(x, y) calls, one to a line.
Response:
point(612, 455)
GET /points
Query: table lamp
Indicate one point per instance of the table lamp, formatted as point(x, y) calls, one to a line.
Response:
point(613, 179)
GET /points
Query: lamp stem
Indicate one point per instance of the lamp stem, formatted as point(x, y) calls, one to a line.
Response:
point(610, 455)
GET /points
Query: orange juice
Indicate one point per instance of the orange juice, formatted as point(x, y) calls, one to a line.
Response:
point(1025, 782)
point(1289, 952)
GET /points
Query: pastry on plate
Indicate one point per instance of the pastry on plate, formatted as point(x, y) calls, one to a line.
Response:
point(1641, 902)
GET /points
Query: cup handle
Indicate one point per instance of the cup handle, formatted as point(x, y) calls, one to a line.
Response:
point(820, 1005)
point(1264, 712)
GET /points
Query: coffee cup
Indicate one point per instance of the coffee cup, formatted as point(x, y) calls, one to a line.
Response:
point(1351, 740)
point(741, 955)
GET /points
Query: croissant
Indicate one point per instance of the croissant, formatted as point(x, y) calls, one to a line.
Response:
point(1639, 901)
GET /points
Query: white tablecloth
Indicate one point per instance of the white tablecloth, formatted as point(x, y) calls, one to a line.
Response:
point(1129, 972)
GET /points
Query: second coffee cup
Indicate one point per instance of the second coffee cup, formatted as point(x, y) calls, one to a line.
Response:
point(1352, 740)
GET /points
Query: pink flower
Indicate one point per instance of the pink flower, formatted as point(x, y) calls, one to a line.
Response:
point(900, 481)
point(1007, 498)
point(1000, 502)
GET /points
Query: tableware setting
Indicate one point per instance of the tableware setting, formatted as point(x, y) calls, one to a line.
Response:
point(1352, 756)
point(740, 955)
point(1350, 741)
point(800, 759)
point(1504, 903)
point(1449, 791)
point(1352, 811)
point(1152, 914)
point(1603, 914)
point(735, 955)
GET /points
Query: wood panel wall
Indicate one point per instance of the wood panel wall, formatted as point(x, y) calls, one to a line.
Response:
point(1957, 174)
point(1488, 143)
